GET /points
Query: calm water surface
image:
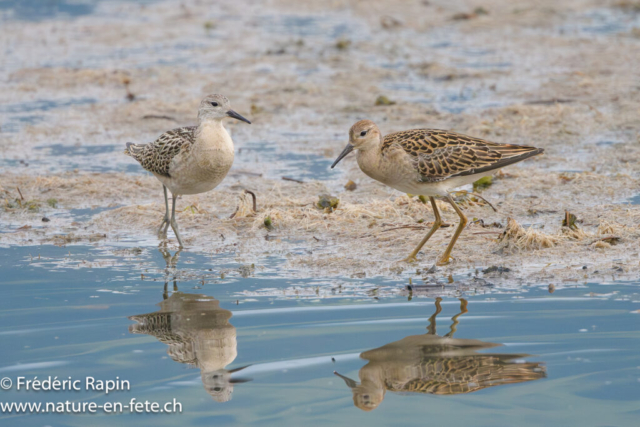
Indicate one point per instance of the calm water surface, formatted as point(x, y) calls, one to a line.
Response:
point(178, 328)
point(184, 328)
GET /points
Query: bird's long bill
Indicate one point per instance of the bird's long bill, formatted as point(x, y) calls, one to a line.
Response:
point(231, 371)
point(237, 116)
point(347, 150)
point(350, 383)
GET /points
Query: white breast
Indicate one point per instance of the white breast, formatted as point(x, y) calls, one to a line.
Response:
point(203, 167)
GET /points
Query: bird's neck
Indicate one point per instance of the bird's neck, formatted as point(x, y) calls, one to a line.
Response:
point(210, 123)
point(211, 134)
point(371, 145)
point(369, 158)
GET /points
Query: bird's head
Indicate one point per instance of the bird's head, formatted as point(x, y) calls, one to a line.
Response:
point(217, 107)
point(364, 135)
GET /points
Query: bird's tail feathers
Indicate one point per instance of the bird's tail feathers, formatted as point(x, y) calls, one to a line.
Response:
point(132, 149)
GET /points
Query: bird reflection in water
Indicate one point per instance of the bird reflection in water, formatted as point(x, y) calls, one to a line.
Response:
point(436, 364)
point(197, 332)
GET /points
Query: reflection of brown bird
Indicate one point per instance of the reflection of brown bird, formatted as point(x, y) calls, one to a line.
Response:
point(199, 334)
point(436, 365)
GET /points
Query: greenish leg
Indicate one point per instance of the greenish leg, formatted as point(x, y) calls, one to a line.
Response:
point(174, 224)
point(165, 221)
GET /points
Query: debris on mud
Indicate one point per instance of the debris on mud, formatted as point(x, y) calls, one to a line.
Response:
point(327, 203)
point(383, 100)
point(350, 186)
point(496, 269)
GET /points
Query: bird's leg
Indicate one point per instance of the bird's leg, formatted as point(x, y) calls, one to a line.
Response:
point(454, 325)
point(174, 224)
point(463, 223)
point(166, 255)
point(436, 224)
point(431, 329)
point(165, 221)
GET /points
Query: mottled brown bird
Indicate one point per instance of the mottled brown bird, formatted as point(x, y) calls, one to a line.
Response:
point(430, 163)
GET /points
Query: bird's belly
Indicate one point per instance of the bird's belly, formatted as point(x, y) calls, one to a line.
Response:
point(411, 185)
point(442, 188)
point(199, 173)
point(406, 181)
point(420, 188)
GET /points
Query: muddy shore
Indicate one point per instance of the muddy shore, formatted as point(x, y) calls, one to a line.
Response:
point(563, 76)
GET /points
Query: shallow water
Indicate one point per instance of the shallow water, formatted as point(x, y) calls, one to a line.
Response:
point(36, 10)
point(567, 358)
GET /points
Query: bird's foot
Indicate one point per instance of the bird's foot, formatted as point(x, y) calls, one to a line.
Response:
point(162, 230)
point(444, 261)
point(174, 227)
point(410, 259)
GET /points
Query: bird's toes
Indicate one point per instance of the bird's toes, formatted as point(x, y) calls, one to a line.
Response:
point(444, 261)
point(410, 259)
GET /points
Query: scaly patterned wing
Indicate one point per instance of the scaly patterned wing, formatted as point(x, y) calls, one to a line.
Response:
point(158, 324)
point(461, 375)
point(155, 324)
point(440, 154)
point(156, 157)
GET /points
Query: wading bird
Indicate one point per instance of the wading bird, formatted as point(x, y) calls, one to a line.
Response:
point(430, 163)
point(190, 160)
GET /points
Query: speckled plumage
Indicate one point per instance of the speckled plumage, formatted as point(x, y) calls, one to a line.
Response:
point(156, 157)
point(198, 333)
point(429, 162)
point(191, 159)
point(435, 364)
point(438, 154)
point(441, 374)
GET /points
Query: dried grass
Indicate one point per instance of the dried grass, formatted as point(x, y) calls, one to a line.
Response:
point(515, 238)
point(574, 233)
point(600, 244)
point(247, 206)
point(607, 227)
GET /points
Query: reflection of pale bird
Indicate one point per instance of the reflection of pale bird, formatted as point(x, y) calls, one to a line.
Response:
point(436, 365)
point(199, 334)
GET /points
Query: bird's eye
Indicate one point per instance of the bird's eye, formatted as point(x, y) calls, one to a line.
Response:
point(363, 133)
point(215, 104)
point(217, 389)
